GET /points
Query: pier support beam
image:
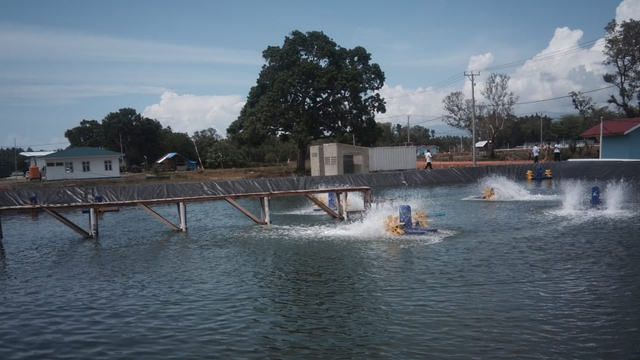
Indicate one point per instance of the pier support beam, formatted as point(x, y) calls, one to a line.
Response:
point(322, 206)
point(68, 223)
point(93, 222)
point(265, 209)
point(158, 216)
point(244, 211)
point(182, 213)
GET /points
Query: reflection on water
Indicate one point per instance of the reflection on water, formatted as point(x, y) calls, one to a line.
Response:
point(535, 275)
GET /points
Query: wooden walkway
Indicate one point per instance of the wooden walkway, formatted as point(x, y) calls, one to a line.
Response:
point(264, 198)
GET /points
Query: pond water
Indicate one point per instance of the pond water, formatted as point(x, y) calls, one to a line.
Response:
point(534, 273)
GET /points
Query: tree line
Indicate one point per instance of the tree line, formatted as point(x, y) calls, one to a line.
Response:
point(312, 91)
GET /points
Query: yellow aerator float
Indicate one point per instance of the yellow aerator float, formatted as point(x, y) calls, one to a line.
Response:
point(404, 225)
point(539, 175)
point(488, 193)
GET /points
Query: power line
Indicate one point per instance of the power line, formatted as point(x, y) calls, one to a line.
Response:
point(549, 56)
point(560, 97)
point(450, 81)
point(459, 76)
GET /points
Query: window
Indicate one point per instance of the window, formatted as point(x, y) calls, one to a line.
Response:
point(107, 165)
point(86, 167)
point(59, 164)
point(51, 164)
point(68, 166)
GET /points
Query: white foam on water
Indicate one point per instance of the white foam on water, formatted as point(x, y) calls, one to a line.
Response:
point(355, 202)
point(576, 201)
point(368, 226)
point(507, 190)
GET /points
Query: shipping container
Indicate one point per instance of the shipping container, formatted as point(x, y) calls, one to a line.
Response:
point(316, 160)
point(392, 158)
point(342, 159)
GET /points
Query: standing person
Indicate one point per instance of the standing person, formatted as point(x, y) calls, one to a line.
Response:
point(536, 153)
point(428, 156)
point(556, 151)
point(547, 152)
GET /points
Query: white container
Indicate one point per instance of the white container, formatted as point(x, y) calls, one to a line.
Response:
point(392, 158)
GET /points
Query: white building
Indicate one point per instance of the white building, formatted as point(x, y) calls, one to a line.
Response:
point(340, 159)
point(82, 163)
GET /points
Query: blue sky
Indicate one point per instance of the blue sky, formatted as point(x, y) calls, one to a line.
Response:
point(190, 64)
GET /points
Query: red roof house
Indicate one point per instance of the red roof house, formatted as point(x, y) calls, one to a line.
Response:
point(620, 138)
point(613, 127)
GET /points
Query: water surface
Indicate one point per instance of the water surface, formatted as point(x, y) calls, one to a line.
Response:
point(534, 274)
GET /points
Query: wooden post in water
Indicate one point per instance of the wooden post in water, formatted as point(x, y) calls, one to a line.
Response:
point(265, 210)
point(93, 222)
point(182, 212)
point(344, 205)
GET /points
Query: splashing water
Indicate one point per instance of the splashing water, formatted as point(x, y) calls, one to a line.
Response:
point(507, 190)
point(368, 226)
point(614, 195)
point(355, 202)
point(577, 196)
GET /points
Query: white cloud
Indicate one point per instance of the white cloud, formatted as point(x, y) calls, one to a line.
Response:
point(190, 113)
point(628, 9)
point(61, 94)
point(480, 61)
point(561, 67)
point(558, 69)
point(22, 42)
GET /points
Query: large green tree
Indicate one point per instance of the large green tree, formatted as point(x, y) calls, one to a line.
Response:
point(622, 49)
point(136, 135)
point(89, 133)
point(311, 88)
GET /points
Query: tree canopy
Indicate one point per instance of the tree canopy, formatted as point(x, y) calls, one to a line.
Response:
point(135, 135)
point(492, 117)
point(622, 48)
point(309, 89)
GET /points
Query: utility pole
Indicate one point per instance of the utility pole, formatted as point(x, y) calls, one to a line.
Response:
point(197, 153)
point(541, 140)
point(472, 75)
point(15, 155)
point(123, 159)
point(461, 147)
point(601, 128)
point(408, 130)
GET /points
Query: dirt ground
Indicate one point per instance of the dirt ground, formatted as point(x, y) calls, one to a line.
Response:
point(455, 164)
point(214, 175)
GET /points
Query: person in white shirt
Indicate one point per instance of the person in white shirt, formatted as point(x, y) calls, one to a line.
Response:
point(556, 151)
point(536, 153)
point(428, 156)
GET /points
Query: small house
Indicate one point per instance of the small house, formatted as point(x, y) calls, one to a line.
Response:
point(175, 162)
point(82, 163)
point(422, 149)
point(620, 138)
point(482, 147)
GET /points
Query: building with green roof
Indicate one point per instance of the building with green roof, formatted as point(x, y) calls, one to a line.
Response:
point(82, 163)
